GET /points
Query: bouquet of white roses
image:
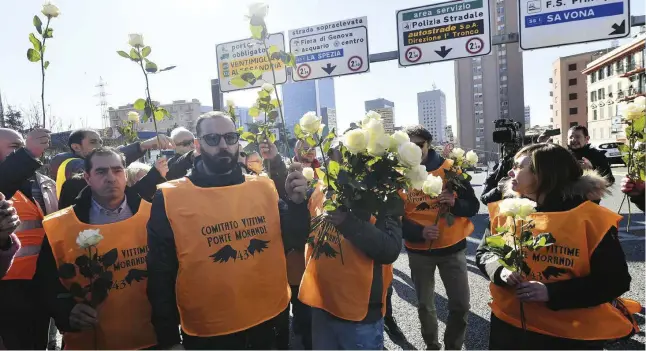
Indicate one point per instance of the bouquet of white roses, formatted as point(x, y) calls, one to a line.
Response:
point(634, 154)
point(369, 168)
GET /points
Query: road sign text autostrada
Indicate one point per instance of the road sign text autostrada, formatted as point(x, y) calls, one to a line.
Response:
point(444, 31)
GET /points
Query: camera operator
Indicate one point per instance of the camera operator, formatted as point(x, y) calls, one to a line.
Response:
point(507, 133)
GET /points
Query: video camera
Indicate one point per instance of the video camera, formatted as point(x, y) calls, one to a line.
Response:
point(507, 131)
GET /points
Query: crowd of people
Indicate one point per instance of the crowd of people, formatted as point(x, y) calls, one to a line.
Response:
point(210, 249)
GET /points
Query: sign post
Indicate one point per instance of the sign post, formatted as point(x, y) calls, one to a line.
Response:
point(547, 23)
point(238, 57)
point(332, 49)
point(443, 32)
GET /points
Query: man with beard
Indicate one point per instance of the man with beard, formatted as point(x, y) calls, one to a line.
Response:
point(217, 242)
point(588, 157)
point(23, 322)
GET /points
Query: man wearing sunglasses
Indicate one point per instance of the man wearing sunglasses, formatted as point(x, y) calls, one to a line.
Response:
point(184, 142)
point(229, 233)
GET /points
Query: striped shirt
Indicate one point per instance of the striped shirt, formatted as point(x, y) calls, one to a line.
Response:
point(101, 215)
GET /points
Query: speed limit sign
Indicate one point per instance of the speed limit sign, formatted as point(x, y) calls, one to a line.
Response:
point(304, 71)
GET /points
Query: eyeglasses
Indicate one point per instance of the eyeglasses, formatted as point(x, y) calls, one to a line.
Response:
point(213, 139)
point(185, 143)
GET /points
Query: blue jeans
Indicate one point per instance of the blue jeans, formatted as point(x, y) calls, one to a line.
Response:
point(331, 333)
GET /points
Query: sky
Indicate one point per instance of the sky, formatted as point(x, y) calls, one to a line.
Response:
point(185, 32)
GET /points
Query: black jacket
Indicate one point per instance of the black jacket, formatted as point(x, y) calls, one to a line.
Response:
point(638, 200)
point(381, 242)
point(57, 299)
point(145, 188)
point(598, 160)
point(16, 171)
point(466, 205)
point(609, 277)
point(162, 256)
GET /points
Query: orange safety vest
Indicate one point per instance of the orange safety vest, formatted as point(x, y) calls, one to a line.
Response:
point(61, 175)
point(577, 233)
point(124, 316)
point(31, 235)
point(340, 288)
point(423, 210)
point(232, 274)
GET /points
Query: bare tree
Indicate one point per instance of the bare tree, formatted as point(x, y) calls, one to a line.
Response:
point(32, 116)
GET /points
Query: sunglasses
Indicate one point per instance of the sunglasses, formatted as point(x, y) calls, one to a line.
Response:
point(213, 139)
point(421, 144)
point(185, 143)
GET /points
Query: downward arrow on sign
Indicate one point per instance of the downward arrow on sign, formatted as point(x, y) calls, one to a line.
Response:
point(329, 68)
point(443, 51)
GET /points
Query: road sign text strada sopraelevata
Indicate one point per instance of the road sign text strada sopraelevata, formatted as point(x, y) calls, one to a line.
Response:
point(332, 49)
point(546, 23)
point(238, 57)
point(443, 31)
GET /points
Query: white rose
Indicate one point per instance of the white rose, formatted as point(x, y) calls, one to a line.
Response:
point(310, 123)
point(398, 138)
point(375, 130)
point(308, 173)
point(88, 237)
point(432, 186)
point(231, 104)
point(471, 157)
point(355, 141)
point(50, 10)
point(136, 40)
point(133, 116)
point(416, 175)
point(456, 153)
point(369, 116)
point(378, 146)
point(640, 101)
point(520, 208)
point(409, 154)
point(632, 111)
point(268, 88)
point(258, 10)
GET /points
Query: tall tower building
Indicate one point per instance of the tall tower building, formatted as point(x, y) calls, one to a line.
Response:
point(431, 113)
point(490, 87)
point(373, 105)
point(302, 97)
point(528, 118)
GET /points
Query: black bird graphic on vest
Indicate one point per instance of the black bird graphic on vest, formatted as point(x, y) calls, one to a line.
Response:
point(224, 254)
point(256, 245)
point(423, 206)
point(552, 271)
point(136, 275)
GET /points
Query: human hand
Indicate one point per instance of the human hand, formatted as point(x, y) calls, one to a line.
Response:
point(431, 232)
point(447, 198)
point(585, 164)
point(153, 144)
point(336, 217)
point(9, 220)
point(532, 291)
point(631, 187)
point(162, 166)
point(296, 184)
point(83, 317)
point(268, 150)
point(509, 277)
point(38, 141)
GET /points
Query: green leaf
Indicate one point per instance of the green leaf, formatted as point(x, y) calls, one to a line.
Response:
point(167, 68)
point(248, 136)
point(140, 104)
point(257, 32)
point(254, 111)
point(333, 168)
point(271, 137)
point(542, 240)
point(124, 54)
point(145, 51)
point(310, 141)
point(326, 146)
point(49, 33)
point(329, 206)
point(159, 115)
point(526, 236)
point(46, 64)
point(237, 81)
point(262, 93)
point(273, 49)
point(298, 131)
point(639, 124)
point(495, 241)
point(274, 103)
point(623, 147)
point(38, 24)
point(450, 219)
point(134, 55)
point(272, 115)
point(501, 229)
point(151, 67)
point(33, 55)
point(35, 42)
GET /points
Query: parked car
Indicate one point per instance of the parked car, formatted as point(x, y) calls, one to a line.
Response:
point(612, 152)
